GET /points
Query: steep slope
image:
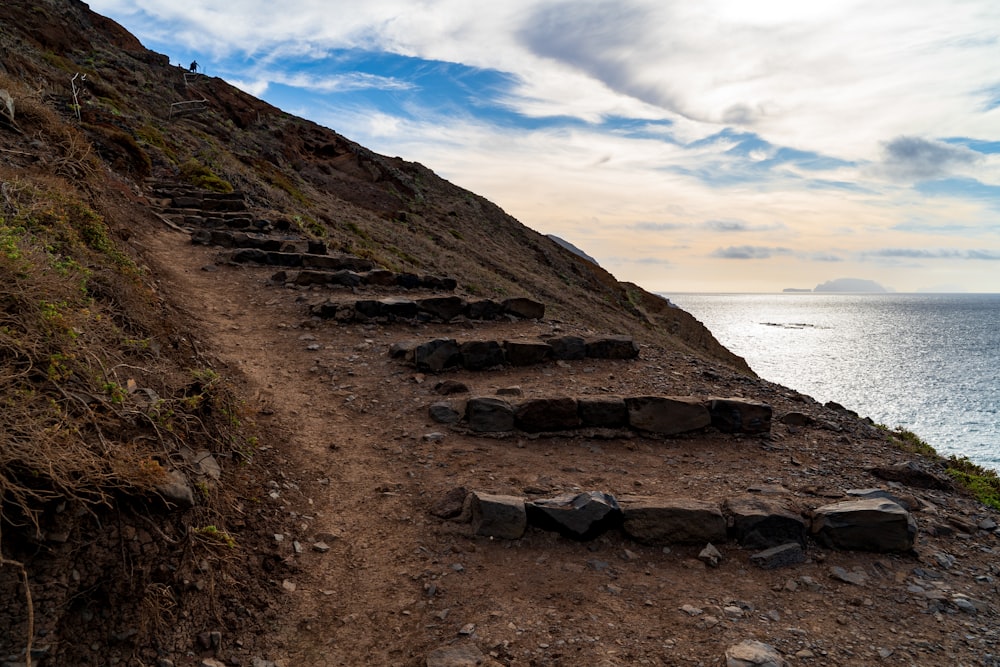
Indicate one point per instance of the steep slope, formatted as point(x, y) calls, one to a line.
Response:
point(209, 458)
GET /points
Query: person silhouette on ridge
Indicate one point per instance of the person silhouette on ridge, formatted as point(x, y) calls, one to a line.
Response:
point(194, 66)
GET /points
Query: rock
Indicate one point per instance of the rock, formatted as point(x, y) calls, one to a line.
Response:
point(211, 662)
point(797, 419)
point(668, 521)
point(367, 308)
point(667, 415)
point(486, 309)
point(486, 414)
point(408, 280)
point(612, 347)
point(205, 464)
point(603, 412)
point(444, 412)
point(865, 525)
point(752, 653)
point(449, 387)
point(450, 505)
point(568, 348)
point(456, 656)
point(380, 277)
point(437, 355)
point(546, 414)
point(176, 491)
point(510, 391)
point(524, 308)
point(911, 473)
point(402, 309)
point(479, 355)
point(779, 556)
point(498, 516)
point(403, 349)
point(855, 577)
point(759, 523)
point(734, 415)
point(710, 555)
point(442, 307)
point(581, 516)
point(524, 353)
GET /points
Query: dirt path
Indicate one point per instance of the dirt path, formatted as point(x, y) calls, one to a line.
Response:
point(359, 475)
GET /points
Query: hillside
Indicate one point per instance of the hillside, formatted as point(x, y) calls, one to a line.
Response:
point(253, 370)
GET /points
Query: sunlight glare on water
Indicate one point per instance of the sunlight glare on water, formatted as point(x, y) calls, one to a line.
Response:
point(927, 362)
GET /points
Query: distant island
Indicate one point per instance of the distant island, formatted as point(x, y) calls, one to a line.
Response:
point(852, 285)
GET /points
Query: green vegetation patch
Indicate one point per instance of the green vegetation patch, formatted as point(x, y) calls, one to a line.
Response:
point(199, 175)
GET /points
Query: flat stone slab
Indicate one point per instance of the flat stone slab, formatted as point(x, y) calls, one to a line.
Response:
point(480, 355)
point(526, 353)
point(442, 307)
point(489, 415)
point(673, 521)
point(603, 411)
point(667, 415)
point(568, 348)
point(874, 524)
point(735, 415)
point(524, 308)
point(546, 414)
point(437, 355)
point(581, 516)
point(498, 516)
point(752, 653)
point(612, 347)
point(760, 523)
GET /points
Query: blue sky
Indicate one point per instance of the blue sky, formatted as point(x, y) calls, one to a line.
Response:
point(723, 145)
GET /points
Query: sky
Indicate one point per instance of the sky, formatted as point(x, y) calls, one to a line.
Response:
point(710, 146)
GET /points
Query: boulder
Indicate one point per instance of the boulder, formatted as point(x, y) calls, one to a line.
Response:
point(735, 415)
point(403, 309)
point(669, 521)
point(403, 349)
point(612, 347)
point(581, 516)
point(497, 516)
point(408, 280)
point(438, 283)
point(367, 308)
point(546, 414)
point(759, 523)
point(782, 555)
point(484, 309)
point(445, 412)
point(437, 355)
point(568, 348)
point(603, 412)
point(526, 309)
point(667, 415)
point(448, 387)
point(486, 414)
point(797, 419)
point(451, 504)
point(526, 353)
point(874, 524)
point(479, 355)
point(442, 307)
point(380, 277)
point(343, 278)
point(751, 653)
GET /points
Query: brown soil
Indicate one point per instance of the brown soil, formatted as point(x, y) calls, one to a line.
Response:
point(345, 426)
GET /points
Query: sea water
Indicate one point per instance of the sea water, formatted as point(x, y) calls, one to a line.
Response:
point(927, 362)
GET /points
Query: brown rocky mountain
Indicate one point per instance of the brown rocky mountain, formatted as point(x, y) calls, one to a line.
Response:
point(275, 399)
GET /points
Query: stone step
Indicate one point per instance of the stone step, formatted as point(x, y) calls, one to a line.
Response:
point(656, 415)
point(441, 354)
point(269, 242)
point(299, 259)
point(373, 278)
point(444, 308)
point(774, 526)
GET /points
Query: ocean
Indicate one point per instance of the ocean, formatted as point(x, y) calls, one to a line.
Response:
point(927, 362)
